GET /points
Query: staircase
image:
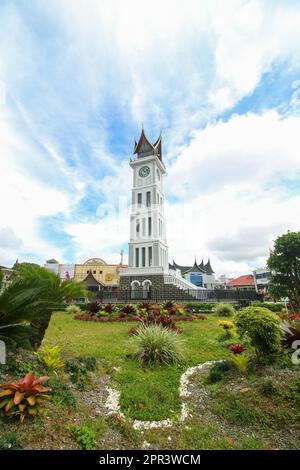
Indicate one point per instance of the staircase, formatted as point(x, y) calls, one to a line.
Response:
point(179, 283)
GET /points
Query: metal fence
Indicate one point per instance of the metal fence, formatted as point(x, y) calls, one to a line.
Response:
point(187, 295)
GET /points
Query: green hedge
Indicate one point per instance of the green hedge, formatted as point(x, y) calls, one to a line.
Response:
point(273, 307)
point(200, 306)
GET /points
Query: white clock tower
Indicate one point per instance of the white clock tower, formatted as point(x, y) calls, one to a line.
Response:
point(148, 249)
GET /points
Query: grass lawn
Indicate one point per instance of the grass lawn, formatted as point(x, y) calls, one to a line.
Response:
point(146, 393)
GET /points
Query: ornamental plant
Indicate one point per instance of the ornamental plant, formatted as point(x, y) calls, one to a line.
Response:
point(237, 348)
point(73, 309)
point(109, 308)
point(224, 310)
point(241, 361)
point(128, 309)
point(94, 307)
point(23, 398)
point(262, 328)
point(50, 357)
point(158, 345)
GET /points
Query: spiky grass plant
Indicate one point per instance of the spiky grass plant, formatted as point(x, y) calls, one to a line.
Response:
point(158, 345)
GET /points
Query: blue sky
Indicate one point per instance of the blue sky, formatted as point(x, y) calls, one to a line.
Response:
point(77, 79)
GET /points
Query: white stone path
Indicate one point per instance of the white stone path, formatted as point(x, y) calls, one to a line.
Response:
point(112, 403)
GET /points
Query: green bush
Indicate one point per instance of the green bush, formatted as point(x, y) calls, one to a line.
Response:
point(84, 436)
point(199, 306)
point(261, 327)
point(276, 307)
point(218, 371)
point(158, 345)
point(224, 310)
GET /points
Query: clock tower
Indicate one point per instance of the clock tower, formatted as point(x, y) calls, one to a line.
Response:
point(147, 248)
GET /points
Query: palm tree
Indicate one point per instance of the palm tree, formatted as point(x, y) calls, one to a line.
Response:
point(26, 305)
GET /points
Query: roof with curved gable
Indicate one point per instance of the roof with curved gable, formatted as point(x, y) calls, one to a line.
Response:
point(144, 146)
point(95, 261)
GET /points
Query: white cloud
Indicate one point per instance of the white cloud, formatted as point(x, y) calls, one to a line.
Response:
point(233, 200)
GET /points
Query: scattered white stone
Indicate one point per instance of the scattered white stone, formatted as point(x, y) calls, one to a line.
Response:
point(113, 402)
point(164, 423)
point(146, 445)
point(169, 438)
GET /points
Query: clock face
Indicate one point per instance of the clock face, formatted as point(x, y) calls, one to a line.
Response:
point(144, 171)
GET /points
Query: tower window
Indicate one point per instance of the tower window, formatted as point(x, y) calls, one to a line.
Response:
point(150, 255)
point(139, 199)
point(149, 226)
point(138, 228)
point(137, 261)
point(144, 227)
point(148, 199)
point(143, 257)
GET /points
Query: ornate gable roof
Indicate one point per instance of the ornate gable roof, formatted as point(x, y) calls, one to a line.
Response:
point(208, 268)
point(144, 146)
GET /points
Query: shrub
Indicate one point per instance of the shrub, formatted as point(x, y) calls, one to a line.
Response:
point(274, 307)
point(26, 397)
point(168, 305)
point(158, 345)
point(84, 436)
point(94, 307)
point(228, 331)
point(218, 371)
point(224, 310)
point(199, 307)
point(144, 306)
point(73, 309)
point(241, 361)
point(128, 310)
point(262, 327)
point(50, 357)
point(109, 308)
point(267, 388)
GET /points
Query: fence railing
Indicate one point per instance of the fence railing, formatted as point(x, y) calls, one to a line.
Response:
point(182, 295)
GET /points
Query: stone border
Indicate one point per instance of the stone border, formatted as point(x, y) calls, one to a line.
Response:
point(113, 401)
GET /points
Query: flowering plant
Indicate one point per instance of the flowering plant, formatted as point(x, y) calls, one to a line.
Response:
point(237, 348)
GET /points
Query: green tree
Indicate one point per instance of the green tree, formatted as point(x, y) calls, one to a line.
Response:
point(284, 262)
point(27, 304)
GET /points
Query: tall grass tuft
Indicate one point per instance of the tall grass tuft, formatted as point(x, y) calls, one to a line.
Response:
point(158, 345)
point(224, 310)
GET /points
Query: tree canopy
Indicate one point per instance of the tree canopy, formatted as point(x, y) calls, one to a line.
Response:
point(284, 263)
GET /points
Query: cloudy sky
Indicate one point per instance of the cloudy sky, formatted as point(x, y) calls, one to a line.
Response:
point(78, 78)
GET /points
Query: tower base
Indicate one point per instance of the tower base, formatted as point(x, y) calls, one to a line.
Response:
point(150, 288)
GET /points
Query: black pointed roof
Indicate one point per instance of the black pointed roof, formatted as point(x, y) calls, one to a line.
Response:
point(196, 268)
point(208, 268)
point(144, 146)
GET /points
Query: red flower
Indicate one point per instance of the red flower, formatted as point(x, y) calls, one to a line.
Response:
point(237, 348)
point(122, 315)
point(294, 316)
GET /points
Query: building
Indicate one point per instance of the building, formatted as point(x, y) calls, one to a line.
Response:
point(148, 271)
point(7, 272)
point(245, 282)
point(97, 274)
point(201, 275)
point(262, 278)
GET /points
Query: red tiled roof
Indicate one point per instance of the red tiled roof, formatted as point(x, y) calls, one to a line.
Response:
point(246, 280)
